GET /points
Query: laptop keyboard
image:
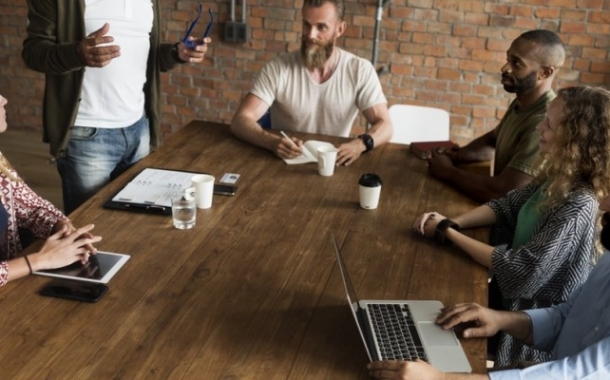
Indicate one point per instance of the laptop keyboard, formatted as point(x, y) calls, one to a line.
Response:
point(396, 334)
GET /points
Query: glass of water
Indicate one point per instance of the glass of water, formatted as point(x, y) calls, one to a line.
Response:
point(184, 212)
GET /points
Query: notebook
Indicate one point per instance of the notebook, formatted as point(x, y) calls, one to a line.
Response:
point(310, 152)
point(414, 320)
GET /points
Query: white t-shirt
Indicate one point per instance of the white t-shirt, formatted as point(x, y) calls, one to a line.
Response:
point(113, 96)
point(298, 103)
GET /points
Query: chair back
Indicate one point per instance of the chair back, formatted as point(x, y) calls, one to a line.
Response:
point(418, 123)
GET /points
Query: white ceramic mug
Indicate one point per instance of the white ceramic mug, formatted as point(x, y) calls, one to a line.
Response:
point(370, 190)
point(204, 189)
point(327, 156)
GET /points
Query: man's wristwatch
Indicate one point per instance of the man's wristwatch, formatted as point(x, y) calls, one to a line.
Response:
point(368, 142)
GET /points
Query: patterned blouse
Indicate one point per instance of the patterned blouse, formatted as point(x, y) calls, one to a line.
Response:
point(544, 271)
point(25, 210)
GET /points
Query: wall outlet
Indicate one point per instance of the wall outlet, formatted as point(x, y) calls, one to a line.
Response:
point(236, 32)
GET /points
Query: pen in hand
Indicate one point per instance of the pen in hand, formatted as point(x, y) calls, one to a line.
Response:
point(289, 139)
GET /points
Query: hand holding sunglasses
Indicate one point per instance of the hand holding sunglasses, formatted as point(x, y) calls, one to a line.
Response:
point(190, 43)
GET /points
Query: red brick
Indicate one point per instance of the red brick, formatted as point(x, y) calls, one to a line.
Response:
point(449, 74)
point(552, 13)
point(470, 65)
point(447, 4)
point(401, 69)
point(563, 3)
point(573, 14)
point(498, 9)
point(464, 30)
point(521, 10)
point(590, 4)
point(581, 64)
point(476, 19)
point(424, 72)
point(426, 14)
point(449, 98)
point(498, 45)
point(423, 38)
point(600, 67)
point(594, 53)
point(580, 40)
point(526, 23)
point(590, 78)
point(598, 29)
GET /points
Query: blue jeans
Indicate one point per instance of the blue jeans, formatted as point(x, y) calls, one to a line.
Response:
point(95, 156)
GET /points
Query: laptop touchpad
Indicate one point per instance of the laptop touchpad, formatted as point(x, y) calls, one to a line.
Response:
point(433, 335)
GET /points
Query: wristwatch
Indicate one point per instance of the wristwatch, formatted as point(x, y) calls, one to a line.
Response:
point(368, 142)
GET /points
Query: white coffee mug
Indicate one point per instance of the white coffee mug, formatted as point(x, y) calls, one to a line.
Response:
point(204, 189)
point(327, 156)
point(370, 190)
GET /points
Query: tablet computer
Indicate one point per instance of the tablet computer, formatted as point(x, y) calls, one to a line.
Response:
point(100, 268)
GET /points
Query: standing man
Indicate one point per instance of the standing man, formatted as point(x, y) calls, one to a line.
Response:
point(532, 61)
point(319, 89)
point(102, 61)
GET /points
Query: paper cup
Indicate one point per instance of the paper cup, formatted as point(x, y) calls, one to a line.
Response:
point(370, 190)
point(204, 190)
point(327, 156)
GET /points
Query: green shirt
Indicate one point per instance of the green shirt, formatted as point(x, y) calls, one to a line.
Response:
point(527, 219)
point(517, 141)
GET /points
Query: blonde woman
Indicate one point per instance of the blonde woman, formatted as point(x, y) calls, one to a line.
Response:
point(21, 208)
point(543, 235)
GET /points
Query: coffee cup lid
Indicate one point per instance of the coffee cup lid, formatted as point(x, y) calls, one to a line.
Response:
point(370, 180)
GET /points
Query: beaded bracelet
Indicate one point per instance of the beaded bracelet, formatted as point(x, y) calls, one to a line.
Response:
point(441, 229)
point(27, 261)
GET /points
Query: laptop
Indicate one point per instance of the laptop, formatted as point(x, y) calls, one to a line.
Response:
point(403, 330)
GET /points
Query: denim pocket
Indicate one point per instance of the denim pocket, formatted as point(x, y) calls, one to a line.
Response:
point(83, 133)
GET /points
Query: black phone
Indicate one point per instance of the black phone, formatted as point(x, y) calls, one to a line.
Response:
point(74, 290)
point(225, 189)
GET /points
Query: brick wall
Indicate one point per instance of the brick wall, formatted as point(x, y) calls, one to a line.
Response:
point(442, 53)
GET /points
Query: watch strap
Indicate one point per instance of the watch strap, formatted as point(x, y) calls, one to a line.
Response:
point(441, 230)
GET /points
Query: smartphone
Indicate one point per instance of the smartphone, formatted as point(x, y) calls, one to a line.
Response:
point(225, 189)
point(74, 290)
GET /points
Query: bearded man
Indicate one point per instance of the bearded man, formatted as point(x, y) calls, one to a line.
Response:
point(317, 89)
point(532, 62)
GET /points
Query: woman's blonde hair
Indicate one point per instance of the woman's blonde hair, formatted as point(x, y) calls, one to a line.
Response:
point(580, 154)
point(5, 168)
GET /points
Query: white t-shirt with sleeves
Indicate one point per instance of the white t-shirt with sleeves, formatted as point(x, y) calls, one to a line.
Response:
point(298, 103)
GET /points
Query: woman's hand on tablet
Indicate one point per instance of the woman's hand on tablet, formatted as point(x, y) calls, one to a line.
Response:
point(63, 248)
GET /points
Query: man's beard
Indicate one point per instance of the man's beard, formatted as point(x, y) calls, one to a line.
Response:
point(316, 56)
point(520, 85)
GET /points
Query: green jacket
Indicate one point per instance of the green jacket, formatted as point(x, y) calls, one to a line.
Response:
point(55, 27)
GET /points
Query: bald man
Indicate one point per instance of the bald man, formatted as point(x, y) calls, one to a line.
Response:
point(532, 62)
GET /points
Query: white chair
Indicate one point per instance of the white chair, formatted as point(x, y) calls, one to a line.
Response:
point(417, 123)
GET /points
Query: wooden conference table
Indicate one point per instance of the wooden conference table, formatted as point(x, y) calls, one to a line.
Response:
point(253, 290)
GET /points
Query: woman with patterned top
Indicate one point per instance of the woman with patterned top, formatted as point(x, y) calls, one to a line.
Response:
point(22, 208)
point(543, 235)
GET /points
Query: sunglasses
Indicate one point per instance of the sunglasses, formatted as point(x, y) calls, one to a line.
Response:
point(192, 43)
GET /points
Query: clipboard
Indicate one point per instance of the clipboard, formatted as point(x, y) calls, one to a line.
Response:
point(152, 190)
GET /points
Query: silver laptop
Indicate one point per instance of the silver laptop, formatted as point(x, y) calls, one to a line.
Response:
point(403, 330)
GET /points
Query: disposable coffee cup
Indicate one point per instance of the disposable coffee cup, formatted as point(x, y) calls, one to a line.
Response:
point(370, 190)
point(204, 190)
point(327, 156)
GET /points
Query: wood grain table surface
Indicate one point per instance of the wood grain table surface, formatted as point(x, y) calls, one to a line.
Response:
point(253, 290)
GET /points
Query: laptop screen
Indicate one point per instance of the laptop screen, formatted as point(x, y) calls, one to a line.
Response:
point(350, 294)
